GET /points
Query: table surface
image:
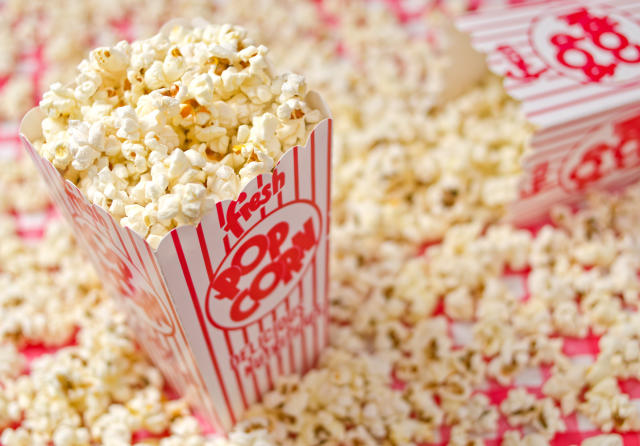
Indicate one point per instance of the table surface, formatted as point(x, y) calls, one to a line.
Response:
point(580, 350)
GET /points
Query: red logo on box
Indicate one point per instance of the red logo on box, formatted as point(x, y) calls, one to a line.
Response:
point(588, 44)
point(607, 149)
point(264, 265)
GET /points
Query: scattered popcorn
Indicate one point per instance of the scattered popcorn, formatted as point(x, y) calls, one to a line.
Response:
point(520, 407)
point(610, 409)
point(515, 438)
point(413, 164)
point(565, 386)
point(41, 279)
point(15, 97)
point(169, 112)
point(23, 190)
point(11, 361)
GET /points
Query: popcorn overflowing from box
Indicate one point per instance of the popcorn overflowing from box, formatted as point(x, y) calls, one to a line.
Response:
point(192, 129)
point(226, 306)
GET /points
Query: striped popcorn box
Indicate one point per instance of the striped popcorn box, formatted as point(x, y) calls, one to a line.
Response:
point(575, 67)
point(227, 306)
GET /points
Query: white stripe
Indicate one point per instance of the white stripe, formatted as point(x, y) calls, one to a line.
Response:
point(253, 333)
point(581, 110)
point(167, 259)
point(469, 23)
point(244, 370)
point(557, 133)
point(508, 27)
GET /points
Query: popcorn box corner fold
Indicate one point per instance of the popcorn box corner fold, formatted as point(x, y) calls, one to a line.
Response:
point(227, 306)
point(575, 68)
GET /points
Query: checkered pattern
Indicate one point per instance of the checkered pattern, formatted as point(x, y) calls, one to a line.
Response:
point(581, 351)
point(31, 226)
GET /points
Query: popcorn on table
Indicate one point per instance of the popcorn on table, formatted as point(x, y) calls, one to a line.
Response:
point(397, 185)
point(159, 130)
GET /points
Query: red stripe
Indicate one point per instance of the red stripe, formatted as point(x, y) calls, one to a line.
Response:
point(9, 138)
point(150, 282)
point(551, 153)
point(262, 211)
point(53, 175)
point(493, 24)
point(239, 381)
point(292, 362)
point(578, 101)
point(220, 213)
point(60, 195)
point(548, 76)
point(144, 267)
point(278, 351)
point(631, 439)
point(554, 92)
point(303, 339)
point(326, 279)
point(196, 305)
point(227, 245)
point(181, 329)
point(497, 57)
point(114, 224)
point(571, 422)
point(554, 150)
point(581, 126)
point(491, 11)
point(205, 251)
point(296, 173)
point(543, 145)
point(126, 251)
point(313, 167)
point(32, 234)
point(39, 71)
point(268, 359)
point(316, 344)
point(316, 347)
point(256, 387)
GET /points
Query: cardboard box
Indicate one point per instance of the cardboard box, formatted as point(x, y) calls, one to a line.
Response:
point(227, 306)
point(575, 67)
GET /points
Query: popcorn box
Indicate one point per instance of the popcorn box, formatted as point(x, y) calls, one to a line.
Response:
point(227, 306)
point(575, 68)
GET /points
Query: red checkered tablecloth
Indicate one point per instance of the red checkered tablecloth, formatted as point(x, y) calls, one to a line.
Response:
point(580, 350)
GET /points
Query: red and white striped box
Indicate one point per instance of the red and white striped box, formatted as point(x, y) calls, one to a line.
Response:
point(575, 68)
point(225, 307)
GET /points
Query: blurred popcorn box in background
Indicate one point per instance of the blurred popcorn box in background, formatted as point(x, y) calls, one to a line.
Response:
point(225, 307)
point(575, 68)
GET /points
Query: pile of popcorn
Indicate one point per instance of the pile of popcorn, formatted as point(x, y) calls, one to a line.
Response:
point(583, 277)
point(98, 390)
point(158, 131)
point(412, 165)
point(61, 33)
